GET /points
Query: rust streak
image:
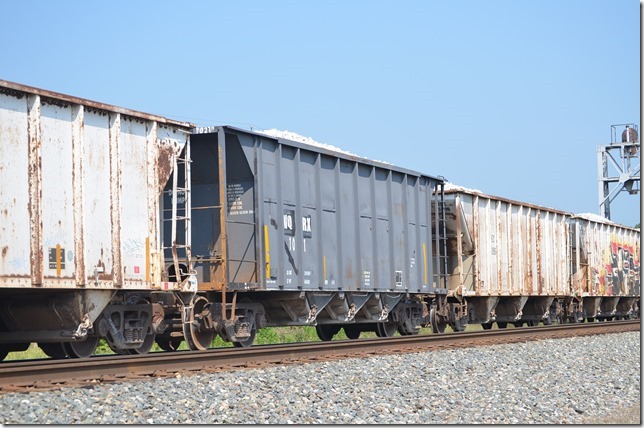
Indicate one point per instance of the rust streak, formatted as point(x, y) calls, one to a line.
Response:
point(538, 238)
point(115, 197)
point(164, 163)
point(35, 189)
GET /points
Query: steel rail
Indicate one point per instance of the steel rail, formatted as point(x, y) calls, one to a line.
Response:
point(25, 376)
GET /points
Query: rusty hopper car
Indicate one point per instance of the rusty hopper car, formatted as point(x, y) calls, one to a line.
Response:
point(605, 269)
point(80, 220)
point(514, 262)
point(508, 261)
point(286, 233)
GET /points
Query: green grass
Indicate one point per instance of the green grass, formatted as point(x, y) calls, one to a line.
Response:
point(266, 336)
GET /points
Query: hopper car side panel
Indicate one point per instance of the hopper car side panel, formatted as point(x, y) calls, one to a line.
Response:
point(80, 215)
point(508, 261)
point(15, 250)
point(506, 248)
point(299, 219)
point(78, 211)
point(607, 259)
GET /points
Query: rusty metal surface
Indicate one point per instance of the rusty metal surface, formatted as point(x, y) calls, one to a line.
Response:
point(82, 209)
point(28, 376)
point(501, 247)
point(19, 88)
point(607, 259)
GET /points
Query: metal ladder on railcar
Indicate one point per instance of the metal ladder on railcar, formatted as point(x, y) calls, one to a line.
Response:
point(440, 237)
point(180, 250)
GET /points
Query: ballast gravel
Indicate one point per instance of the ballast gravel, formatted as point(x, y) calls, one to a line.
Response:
point(552, 381)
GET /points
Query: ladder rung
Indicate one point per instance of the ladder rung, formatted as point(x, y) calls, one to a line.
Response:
point(177, 219)
point(180, 189)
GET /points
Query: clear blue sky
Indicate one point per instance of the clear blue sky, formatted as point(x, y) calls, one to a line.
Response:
point(509, 97)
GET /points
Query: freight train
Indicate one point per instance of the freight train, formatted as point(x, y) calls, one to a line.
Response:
point(137, 229)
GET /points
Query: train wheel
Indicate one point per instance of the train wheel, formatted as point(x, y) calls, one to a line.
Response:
point(532, 323)
point(171, 344)
point(82, 349)
point(197, 337)
point(486, 325)
point(437, 326)
point(352, 331)
point(145, 347)
point(502, 324)
point(248, 342)
point(326, 332)
point(115, 349)
point(404, 332)
point(458, 326)
point(385, 329)
point(54, 350)
point(3, 353)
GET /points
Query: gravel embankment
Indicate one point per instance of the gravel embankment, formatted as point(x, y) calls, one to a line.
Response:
point(574, 381)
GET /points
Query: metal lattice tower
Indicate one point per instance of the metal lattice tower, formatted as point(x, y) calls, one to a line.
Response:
point(623, 154)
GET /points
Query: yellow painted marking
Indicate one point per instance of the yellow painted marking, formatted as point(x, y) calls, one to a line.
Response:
point(424, 263)
point(325, 268)
point(147, 259)
point(267, 255)
point(58, 264)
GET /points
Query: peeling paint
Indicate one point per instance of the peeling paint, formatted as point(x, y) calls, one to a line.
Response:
point(74, 163)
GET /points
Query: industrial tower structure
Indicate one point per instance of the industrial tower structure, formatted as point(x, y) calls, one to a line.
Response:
point(623, 153)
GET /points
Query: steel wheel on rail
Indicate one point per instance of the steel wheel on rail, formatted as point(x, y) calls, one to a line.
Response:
point(195, 329)
point(385, 329)
point(326, 332)
point(437, 326)
point(486, 325)
point(352, 331)
point(82, 349)
point(502, 324)
point(404, 332)
point(169, 344)
point(247, 342)
point(458, 326)
point(146, 346)
point(54, 349)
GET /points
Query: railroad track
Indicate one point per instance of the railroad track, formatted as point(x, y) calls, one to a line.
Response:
point(35, 375)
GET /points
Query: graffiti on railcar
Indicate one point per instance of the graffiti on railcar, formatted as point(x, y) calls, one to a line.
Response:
point(620, 272)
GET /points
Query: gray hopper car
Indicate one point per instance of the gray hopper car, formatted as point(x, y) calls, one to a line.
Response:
point(302, 235)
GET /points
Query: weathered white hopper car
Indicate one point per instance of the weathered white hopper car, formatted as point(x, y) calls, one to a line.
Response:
point(605, 268)
point(515, 262)
point(80, 219)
